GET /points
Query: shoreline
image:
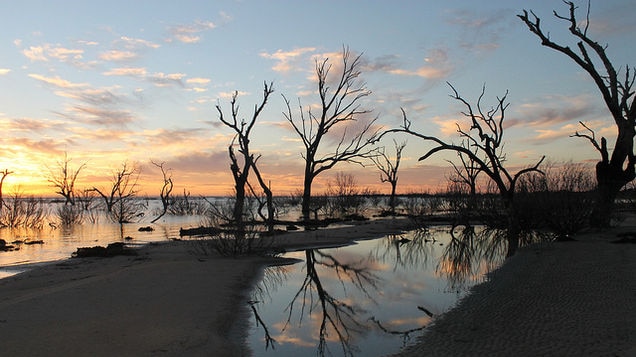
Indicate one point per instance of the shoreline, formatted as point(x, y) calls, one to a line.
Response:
point(167, 300)
point(574, 298)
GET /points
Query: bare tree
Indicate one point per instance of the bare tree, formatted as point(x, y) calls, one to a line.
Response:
point(119, 200)
point(3, 175)
point(166, 190)
point(612, 173)
point(242, 129)
point(468, 172)
point(340, 97)
point(389, 169)
point(63, 179)
point(485, 137)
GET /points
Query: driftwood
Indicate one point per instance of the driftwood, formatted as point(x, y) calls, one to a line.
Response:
point(4, 247)
point(110, 250)
point(199, 231)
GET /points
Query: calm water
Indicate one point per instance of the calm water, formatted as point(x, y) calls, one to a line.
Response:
point(368, 299)
point(60, 243)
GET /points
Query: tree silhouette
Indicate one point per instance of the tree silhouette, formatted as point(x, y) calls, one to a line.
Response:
point(243, 130)
point(63, 179)
point(389, 169)
point(166, 190)
point(340, 97)
point(3, 175)
point(484, 146)
point(614, 171)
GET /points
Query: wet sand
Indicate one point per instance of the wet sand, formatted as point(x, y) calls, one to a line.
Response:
point(560, 299)
point(169, 300)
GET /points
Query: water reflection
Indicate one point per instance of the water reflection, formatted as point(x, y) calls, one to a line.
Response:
point(367, 299)
point(471, 253)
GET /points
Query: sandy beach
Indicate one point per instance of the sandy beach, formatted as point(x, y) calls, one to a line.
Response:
point(573, 298)
point(169, 300)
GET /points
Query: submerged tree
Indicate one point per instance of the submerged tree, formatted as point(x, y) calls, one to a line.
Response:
point(119, 199)
point(389, 170)
point(339, 108)
point(483, 144)
point(166, 190)
point(241, 168)
point(63, 179)
point(3, 175)
point(612, 172)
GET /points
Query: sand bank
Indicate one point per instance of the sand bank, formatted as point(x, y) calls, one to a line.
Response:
point(560, 299)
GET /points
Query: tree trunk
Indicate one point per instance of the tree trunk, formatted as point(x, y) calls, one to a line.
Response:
point(610, 180)
point(392, 198)
point(306, 203)
point(238, 205)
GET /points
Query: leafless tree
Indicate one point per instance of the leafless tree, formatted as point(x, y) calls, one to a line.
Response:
point(269, 197)
point(123, 190)
point(467, 173)
point(242, 129)
point(485, 137)
point(340, 106)
point(166, 190)
point(3, 175)
point(389, 169)
point(63, 178)
point(614, 171)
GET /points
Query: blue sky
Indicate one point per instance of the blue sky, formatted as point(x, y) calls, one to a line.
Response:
point(113, 81)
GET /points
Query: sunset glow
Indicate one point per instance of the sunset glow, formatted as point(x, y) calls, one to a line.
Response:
point(113, 82)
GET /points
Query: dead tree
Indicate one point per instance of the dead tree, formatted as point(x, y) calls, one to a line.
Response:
point(339, 107)
point(612, 172)
point(123, 190)
point(484, 138)
point(467, 173)
point(3, 175)
point(63, 179)
point(166, 190)
point(389, 170)
point(241, 170)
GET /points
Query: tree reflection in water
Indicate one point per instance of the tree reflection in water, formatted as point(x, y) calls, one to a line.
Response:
point(471, 253)
point(336, 315)
point(414, 252)
point(344, 301)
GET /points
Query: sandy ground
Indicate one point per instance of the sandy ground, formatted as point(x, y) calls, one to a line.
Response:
point(167, 301)
point(560, 299)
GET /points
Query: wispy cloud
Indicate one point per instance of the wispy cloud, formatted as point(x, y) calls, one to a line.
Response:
point(478, 31)
point(286, 61)
point(100, 116)
point(118, 56)
point(135, 43)
point(126, 72)
point(436, 65)
point(190, 33)
point(56, 81)
point(46, 52)
point(553, 110)
point(161, 79)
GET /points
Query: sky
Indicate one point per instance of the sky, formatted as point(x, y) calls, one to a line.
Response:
point(108, 82)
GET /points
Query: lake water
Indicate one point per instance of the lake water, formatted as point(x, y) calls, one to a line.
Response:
point(368, 299)
point(60, 242)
